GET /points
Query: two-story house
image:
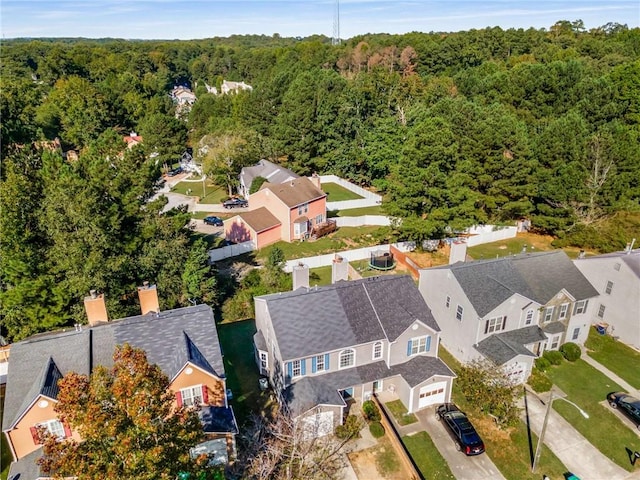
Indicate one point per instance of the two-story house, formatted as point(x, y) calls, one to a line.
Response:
point(286, 211)
point(325, 347)
point(509, 309)
point(616, 276)
point(274, 174)
point(182, 342)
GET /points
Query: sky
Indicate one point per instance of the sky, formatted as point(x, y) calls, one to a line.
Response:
point(193, 19)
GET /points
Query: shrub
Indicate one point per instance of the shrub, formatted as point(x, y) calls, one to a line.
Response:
point(539, 381)
point(350, 428)
point(542, 363)
point(571, 351)
point(371, 412)
point(554, 357)
point(376, 429)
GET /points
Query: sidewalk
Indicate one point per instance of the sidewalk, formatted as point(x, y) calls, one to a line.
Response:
point(598, 366)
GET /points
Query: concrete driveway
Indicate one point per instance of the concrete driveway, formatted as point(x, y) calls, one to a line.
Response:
point(623, 418)
point(479, 467)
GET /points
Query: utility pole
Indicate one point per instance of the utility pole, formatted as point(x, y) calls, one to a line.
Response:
point(336, 24)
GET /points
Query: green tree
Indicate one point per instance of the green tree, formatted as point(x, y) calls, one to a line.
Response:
point(198, 278)
point(128, 423)
point(165, 137)
point(256, 183)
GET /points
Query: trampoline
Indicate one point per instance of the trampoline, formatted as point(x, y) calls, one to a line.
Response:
point(381, 260)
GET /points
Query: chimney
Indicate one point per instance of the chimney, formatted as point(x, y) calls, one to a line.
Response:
point(148, 296)
point(96, 308)
point(315, 178)
point(458, 252)
point(339, 269)
point(300, 276)
point(581, 254)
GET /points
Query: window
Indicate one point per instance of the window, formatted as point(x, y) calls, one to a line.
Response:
point(459, 312)
point(576, 333)
point(601, 311)
point(347, 358)
point(304, 208)
point(548, 314)
point(529, 318)
point(296, 368)
point(299, 229)
point(495, 324)
point(616, 267)
point(377, 350)
point(609, 288)
point(580, 307)
point(447, 301)
point(564, 308)
point(554, 342)
point(264, 362)
point(418, 345)
point(318, 219)
point(191, 396)
point(54, 427)
point(320, 363)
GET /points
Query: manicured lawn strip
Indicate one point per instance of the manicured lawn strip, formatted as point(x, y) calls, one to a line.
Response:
point(399, 412)
point(214, 193)
point(345, 238)
point(356, 212)
point(427, 457)
point(236, 340)
point(337, 193)
point(509, 449)
point(512, 246)
point(201, 215)
point(622, 360)
point(587, 387)
point(324, 274)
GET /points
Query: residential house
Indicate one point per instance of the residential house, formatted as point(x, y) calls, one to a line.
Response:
point(324, 348)
point(509, 310)
point(258, 226)
point(616, 276)
point(132, 139)
point(182, 342)
point(274, 174)
point(234, 87)
point(183, 95)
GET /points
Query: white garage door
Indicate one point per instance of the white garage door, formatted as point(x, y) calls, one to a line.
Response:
point(516, 372)
point(317, 425)
point(432, 394)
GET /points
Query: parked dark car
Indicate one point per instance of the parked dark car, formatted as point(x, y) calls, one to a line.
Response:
point(627, 404)
point(464, 434)
point(215, 221)
point(174, 172)
point(235, 202)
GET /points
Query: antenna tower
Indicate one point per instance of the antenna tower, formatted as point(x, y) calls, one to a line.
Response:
point(336, 24)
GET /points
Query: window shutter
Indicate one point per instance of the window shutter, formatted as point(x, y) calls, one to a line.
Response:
point(289, 370)
point(409, 348)
point(205, 395)
point(504, 322)
point(67, 430)
point(34, 435)
point(428, 343)
point(313, 365)
point(486, 327)
point(179, 399)
point(586, 302)
point(303, 366)
point(326, 361)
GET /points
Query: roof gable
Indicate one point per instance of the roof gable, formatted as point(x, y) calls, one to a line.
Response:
point(295, 192)
point(258, 220)
point(502, 347)
point(266, 169)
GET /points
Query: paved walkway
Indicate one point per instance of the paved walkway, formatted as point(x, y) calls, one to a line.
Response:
point(620, 381)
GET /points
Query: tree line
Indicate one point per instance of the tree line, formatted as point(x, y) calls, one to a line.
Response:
point(453, 129)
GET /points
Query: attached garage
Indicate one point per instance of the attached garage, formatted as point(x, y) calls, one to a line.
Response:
point(432, 394)
point(317, 425)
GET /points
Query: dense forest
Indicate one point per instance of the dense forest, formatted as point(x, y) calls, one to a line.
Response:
point(454, 129)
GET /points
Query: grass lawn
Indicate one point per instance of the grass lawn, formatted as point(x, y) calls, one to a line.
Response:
point(512, 246)
point(587, 387)
point(363, 268)
point(236, 340)
point(336, 193)
point(201, 215)
point(323, 276)
point(356, 212)
point(399, 412)
point(616, 356)
point(427, 457)
point(214, 193)
point(345, 238)
point(510, 449)
point(214, 240)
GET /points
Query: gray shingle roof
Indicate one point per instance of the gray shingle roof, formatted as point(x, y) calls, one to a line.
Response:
point(324, 319)
point(324, 389)
point(502, 347)
point(26, 468)
point(170, 339)
point(218, 419)
point(632, 259)
point(537, 276)
point(553, 328)
point(266, 169)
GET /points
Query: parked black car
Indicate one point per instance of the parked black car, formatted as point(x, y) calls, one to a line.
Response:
point(464, 434)
point(174, 172)
point(627, 404)
point(235, 202)
point(215, 221)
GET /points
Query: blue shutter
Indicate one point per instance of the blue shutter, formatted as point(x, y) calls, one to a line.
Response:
point(289, 370)
point(303, 366)
point(409, 348)
point(313, 364)
point(428, 343)
point(326, 361)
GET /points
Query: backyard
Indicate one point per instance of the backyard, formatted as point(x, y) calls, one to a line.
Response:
point(211, 193)
point(512, 246)
point(337, 193)
point(621, 359)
